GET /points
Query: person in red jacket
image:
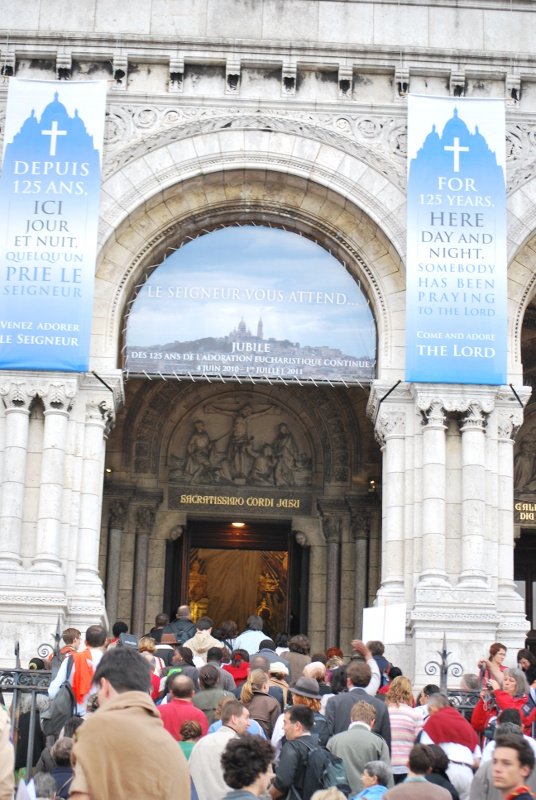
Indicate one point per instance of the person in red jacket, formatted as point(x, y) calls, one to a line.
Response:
point(514, 694)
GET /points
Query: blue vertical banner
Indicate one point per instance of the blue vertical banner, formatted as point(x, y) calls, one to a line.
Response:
point(49, 209)
point(456, 274)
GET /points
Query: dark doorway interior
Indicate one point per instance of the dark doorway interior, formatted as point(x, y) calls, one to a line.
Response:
point(229, 572)
point(525, 578)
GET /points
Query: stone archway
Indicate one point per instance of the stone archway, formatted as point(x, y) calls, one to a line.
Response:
point(244, 196)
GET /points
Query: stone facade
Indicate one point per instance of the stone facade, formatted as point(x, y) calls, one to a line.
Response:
point(289, 113)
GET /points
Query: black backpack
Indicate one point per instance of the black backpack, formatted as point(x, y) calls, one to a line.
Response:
point(62, 708)
point(323, 770)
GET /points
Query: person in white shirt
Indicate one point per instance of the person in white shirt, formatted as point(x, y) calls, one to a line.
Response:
point(83, 668)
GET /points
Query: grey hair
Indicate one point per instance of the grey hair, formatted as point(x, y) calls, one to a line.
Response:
point(507, 727)
point(379, 770)
point(438, 700)
point(518, 675)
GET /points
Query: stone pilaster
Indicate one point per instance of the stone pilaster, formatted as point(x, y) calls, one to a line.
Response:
point(433, 493)
point(473, 496)
point(144, 524)
point(513, 625)
point(360, 528)
point(332, 514)
point(390, 432)
point(17, 396)
point(57, 398)
point(118, 513)
point(97, 423)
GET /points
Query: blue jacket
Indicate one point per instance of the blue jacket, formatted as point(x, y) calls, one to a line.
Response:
point(372, 793)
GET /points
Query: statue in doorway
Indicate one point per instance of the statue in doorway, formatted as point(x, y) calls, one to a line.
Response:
point(262, 471)
point(524, 464)
point(197, 590)
point(285, 455)
point(197, 467)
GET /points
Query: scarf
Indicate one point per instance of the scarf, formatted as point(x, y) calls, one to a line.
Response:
point(83, 674)
point(448, 725)
point(521, 790)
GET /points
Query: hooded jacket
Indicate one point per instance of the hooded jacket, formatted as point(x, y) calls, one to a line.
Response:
point(201, 643)
point(123, 751)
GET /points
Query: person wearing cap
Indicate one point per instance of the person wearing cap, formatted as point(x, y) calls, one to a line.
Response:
point(278, 677)
point(165, 648)
point(359, 745)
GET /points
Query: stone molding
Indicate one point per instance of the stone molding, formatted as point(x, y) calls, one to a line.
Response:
point(151, 126)
point(148, 128)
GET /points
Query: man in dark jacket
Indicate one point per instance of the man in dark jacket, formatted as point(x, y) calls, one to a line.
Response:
point(182, 626)
point(291, 769)
point(338, 708)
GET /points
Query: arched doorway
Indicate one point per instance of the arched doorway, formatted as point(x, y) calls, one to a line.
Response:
point(291, 450)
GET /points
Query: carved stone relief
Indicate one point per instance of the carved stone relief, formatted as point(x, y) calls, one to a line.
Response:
point(381, 139)
point(525, 460)
point(240, 444)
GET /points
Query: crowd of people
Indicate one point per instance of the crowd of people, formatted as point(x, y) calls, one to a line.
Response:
point(192, 712)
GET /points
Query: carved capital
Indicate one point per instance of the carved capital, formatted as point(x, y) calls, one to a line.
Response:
point(360, 525)
point(144, 519)
point(332, 528)
point(461, 404)
point(433, 412)
point(474, 418)
point(118, 513)
point(57, 396)
point(98, 410)
point(390, 424)
point(17, 394)
point(508, 423)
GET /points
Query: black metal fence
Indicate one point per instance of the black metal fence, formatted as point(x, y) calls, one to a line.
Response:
point(24, 691)
point(464, 701)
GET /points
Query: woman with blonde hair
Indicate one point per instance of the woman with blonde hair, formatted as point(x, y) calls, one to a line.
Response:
point(406, 724)
point(147, 647)
point(317, 670)
point(262, 706)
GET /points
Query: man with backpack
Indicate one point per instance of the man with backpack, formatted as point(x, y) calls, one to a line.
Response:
point(291, 770)
point(78, 668)
point(304, 766)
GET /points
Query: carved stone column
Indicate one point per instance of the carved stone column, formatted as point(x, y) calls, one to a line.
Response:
point(433, 493)
point(144, 524)
point(507, 426)
point(117, 521)
point(331, 527)
point(390, 432)
point(360, 526)
point(98, 421)
point(473, 571)
point(57, 399)
point(17, 398)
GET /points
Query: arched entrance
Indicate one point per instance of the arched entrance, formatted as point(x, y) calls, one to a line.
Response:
point(297, 457)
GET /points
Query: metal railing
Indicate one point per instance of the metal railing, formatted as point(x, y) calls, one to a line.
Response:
point(21, 683)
